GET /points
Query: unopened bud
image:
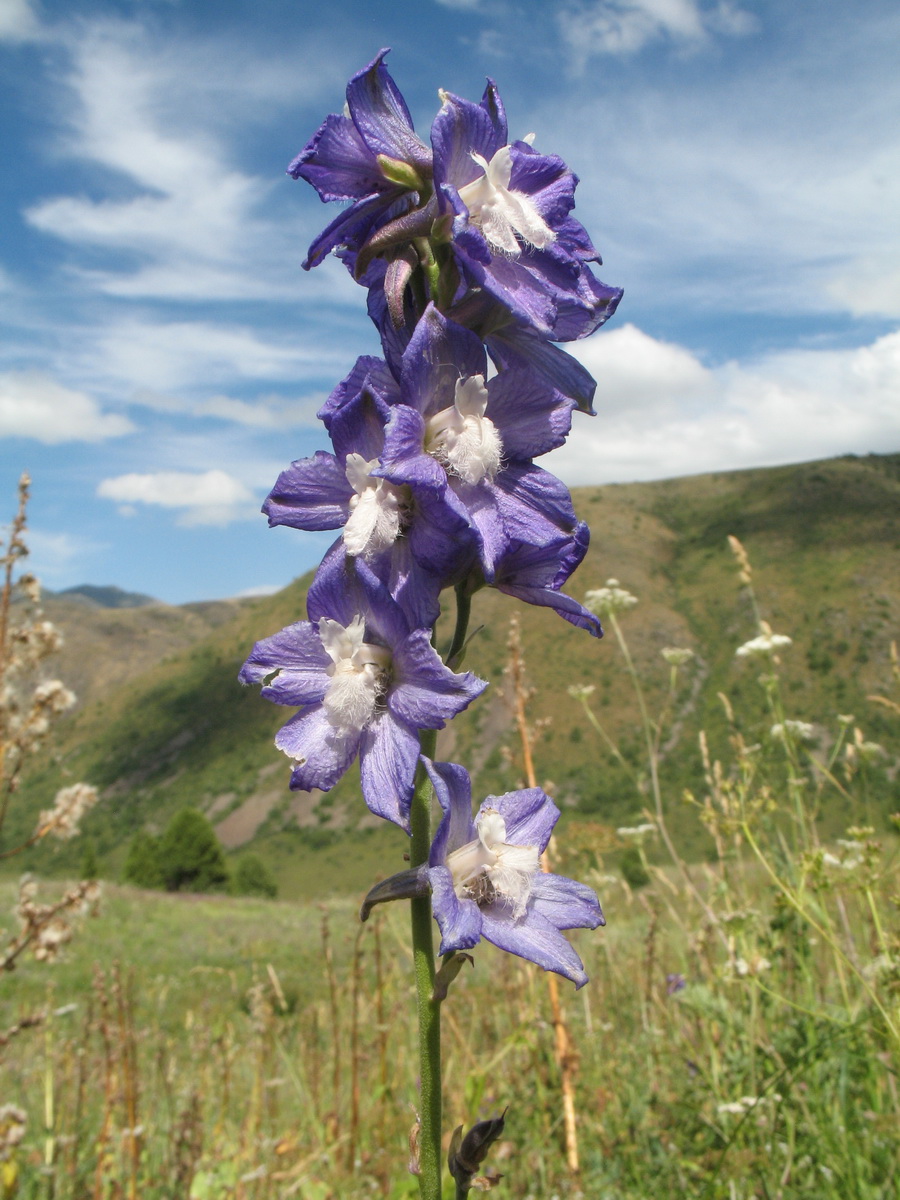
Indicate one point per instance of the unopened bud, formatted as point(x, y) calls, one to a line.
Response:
point(395, 170)
point(469, 1152)
point(405, 885)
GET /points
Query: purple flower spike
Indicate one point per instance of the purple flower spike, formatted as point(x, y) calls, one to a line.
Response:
point(487, 882)
point(365, 683)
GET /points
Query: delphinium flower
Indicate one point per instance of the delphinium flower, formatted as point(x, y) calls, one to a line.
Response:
point(365, 683)
point(368, 155)
point(495, 215)
point(486, 879)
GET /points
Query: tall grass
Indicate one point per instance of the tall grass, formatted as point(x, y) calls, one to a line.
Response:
point(740, 1036)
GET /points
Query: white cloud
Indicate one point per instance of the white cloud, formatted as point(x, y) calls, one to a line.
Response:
point(266, 412)
point(261, 589)
point(161, 357)
point(211, 498)
point(671, 415)
point(55, 557)
point(165, 118)
point(626, 26)
point(33, 405)
point(17, 21)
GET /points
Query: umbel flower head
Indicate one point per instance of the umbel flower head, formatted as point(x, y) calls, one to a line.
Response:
point(486, 879)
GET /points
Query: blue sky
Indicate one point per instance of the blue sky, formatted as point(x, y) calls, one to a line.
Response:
point(162, 354)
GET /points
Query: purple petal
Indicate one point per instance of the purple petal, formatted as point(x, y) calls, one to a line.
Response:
point(460, 128)
point(532, 416)
point(569, 609)
point(439, 354)
point(321, 754)
point(381, 116)
point(368, 372)
point(534, 938)
point(566, 903)
point(425, 693)
point(356, 223)
point(415, 589)
point(546, 179)
point(529, 815)
point(357, 427)
point(458, 920)
point(346, 587)
point(313, 493)
point(338, 163)
point(480, 501)
point(535, 505)
point(453, 790)
point(517, 346)
point(388, 756)
point(297, 655)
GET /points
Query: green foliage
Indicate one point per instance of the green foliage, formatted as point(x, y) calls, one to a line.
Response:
point(90, 867)
point(143, 867)
point(251, 877)
point(190, 855)
point(632, 867)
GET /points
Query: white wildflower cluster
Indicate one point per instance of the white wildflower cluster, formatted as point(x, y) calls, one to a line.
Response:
point(885, 967)
point(12, 1130)
point(800, 731)
point(635, 833)
point(744, 968)
point(46, 928)
point(581, 691)
point(609, 599)
point(766, 642)
point(69, 807)
point(862, 751)
point(677, 656)
point(738, 1108)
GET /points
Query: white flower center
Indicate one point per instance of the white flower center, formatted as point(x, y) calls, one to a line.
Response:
point(462, 438)
point(359, 674)
point(489, 870)
point(376, 511)
point(501, 213)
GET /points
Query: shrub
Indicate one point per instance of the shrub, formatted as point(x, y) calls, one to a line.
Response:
point(142, 864)
point(252, 878)
point(190, 855)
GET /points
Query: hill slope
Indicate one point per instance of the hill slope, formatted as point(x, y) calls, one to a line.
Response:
point(823, 539)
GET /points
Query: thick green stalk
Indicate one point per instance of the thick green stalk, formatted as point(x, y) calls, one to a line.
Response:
point(429, 1010)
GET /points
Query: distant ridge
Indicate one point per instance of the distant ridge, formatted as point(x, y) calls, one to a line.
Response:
point(109, 596)
point(163, 723)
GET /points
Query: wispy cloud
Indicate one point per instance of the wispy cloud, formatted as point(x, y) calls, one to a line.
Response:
point(626, 26)
point(17, 21)
point(173, 356)
point(211, 498)
point(661, 412)
point(56, 557)
point(33, 405)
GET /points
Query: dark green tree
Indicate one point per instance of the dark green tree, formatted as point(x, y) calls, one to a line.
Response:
point(190, 854)
point(142, 864)
point(252, 878)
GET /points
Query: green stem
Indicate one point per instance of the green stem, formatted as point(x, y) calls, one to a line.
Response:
point(428, 1009)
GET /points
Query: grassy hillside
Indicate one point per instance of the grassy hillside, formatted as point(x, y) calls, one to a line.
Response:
point(822, 537)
